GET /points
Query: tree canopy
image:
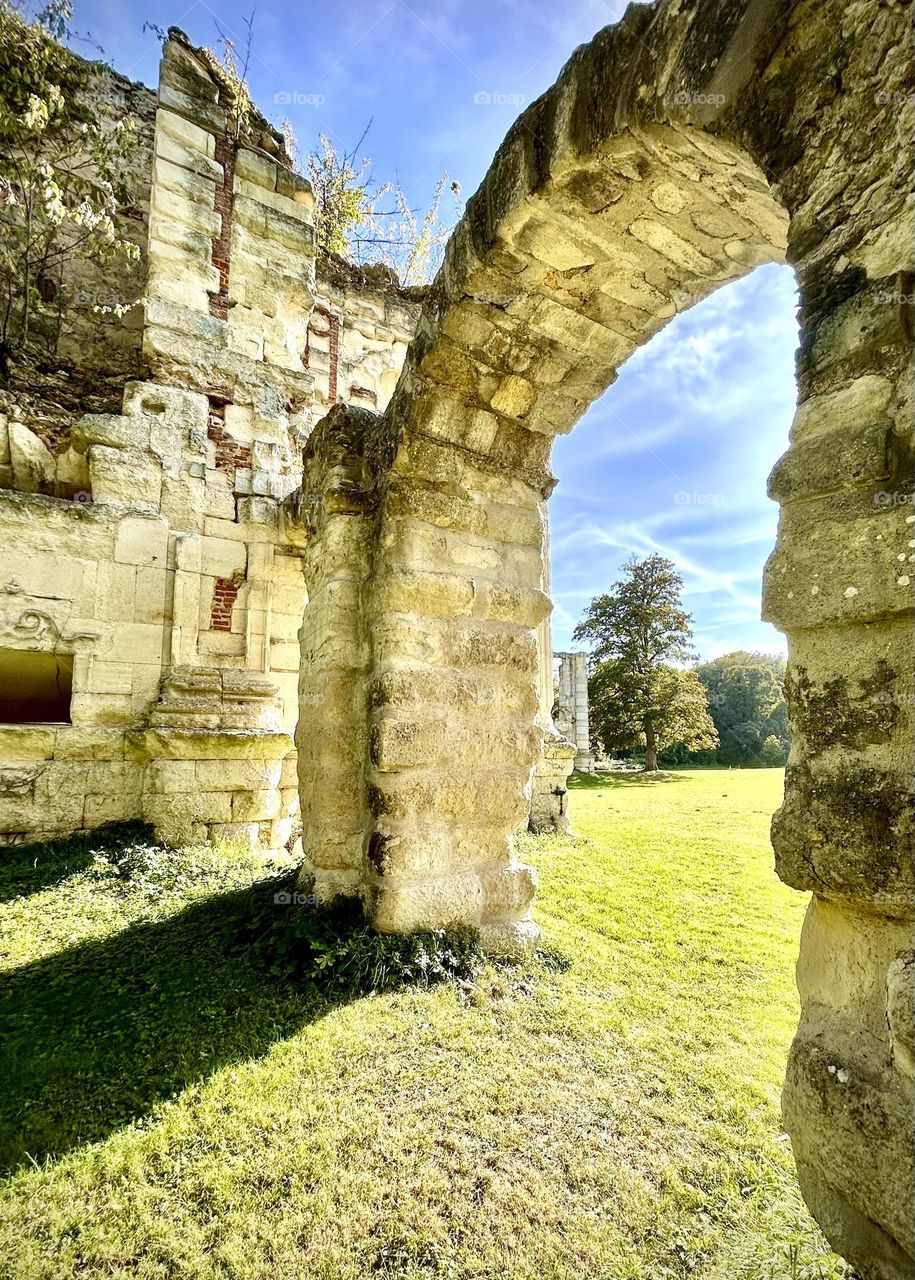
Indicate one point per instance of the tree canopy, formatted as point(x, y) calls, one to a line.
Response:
point(748, 707)
point(638, 632)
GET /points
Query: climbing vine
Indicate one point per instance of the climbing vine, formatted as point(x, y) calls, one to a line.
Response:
point(62, 174)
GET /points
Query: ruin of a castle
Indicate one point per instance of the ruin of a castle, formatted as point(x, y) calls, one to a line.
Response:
point(318, 508)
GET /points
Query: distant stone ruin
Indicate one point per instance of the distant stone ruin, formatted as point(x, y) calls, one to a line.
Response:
point(276, 441)
point(572, 717)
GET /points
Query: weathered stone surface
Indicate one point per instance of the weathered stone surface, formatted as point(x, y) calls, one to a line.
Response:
point(31, 461)
point(677, 150)
point(549, 790)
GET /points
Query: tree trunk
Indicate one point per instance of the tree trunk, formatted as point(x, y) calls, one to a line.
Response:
point(651, 751)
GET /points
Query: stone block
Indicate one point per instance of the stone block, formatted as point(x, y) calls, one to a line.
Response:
point(186, 209)
point(118, 779)
point(399, 743)
point(258, 511)
point(99, 709)
point(844, 411)
point(76, 744)
point(110, 677)
point(171, 178)
point(183, 502)
point(152, 599)
point(289, 776)
point(238, 775)
point(255, 806)
point(289, 802)
point(508, 892)
point(33, 465)
point(400, 905)
point(142, 540)
point(191, 105)
point(178, 287)
point(115, 596)
point(277, 835)
point(295, 187)
point(178, 241)
point(824, 463)
point(190, 744)
point(256, 168)
point(164, 777)
point(186, 807)
point(246, 835)
point(131, 643)
point(124, 477)
point(188, 553)
point(104, 807)
point(804, 584)
point(25, 742)
point(184, 132)
point(222, 558)
point(73, 475)
point(185, 157)
point(219, 503)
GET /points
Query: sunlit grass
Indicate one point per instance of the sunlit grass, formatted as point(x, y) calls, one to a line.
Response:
point(618, 1120)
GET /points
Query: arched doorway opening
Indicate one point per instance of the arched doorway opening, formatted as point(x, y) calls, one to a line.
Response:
point(672, 462)
point(666, 161)
point(674, 459)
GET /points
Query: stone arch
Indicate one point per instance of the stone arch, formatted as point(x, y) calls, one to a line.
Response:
point(676, 151)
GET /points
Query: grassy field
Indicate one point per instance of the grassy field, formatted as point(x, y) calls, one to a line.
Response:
point(167, 1111)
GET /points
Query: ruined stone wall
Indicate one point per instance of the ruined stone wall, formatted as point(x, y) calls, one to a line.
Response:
point(676, 151)
point(95, 339)
point(572, 716)
point(360, 328)
point(147, 546)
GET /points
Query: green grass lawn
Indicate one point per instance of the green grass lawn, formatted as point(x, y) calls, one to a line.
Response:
point(168, 1111)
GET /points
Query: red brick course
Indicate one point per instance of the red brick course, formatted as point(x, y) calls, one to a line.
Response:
point(229, 453)
point(222, 244)
point(332, 333)
point(224, 596)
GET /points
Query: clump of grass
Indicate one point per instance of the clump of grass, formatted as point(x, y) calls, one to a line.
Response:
point(175, 1101)
point(44, 863)
point(334, 946)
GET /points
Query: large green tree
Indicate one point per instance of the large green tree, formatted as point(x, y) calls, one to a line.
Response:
point(639, 631)
point(748, 706)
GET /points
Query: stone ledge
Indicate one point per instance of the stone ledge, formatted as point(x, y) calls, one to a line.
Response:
point(193, 744)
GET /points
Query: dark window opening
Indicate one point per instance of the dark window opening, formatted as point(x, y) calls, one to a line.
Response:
point(35, 688)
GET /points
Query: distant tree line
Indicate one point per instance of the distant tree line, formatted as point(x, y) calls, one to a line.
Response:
point(648, 695)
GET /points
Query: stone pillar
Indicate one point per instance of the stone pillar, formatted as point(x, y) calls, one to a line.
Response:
point(417, 734)
point(456, 598)
point(840, 584)
point(549, 791)
point(573, 701)
point(336, 505)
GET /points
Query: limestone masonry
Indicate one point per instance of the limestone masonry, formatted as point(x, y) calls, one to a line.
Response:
point(280, 431)
point(147, 564)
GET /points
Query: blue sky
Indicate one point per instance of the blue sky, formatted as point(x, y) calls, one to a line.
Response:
point(674, 457)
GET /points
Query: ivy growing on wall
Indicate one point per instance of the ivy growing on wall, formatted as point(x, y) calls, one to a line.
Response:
point(62, 174)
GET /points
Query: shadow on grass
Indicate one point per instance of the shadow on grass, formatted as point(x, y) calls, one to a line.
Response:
point(98, 1035)
point(619, 779)
point(30, 868)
